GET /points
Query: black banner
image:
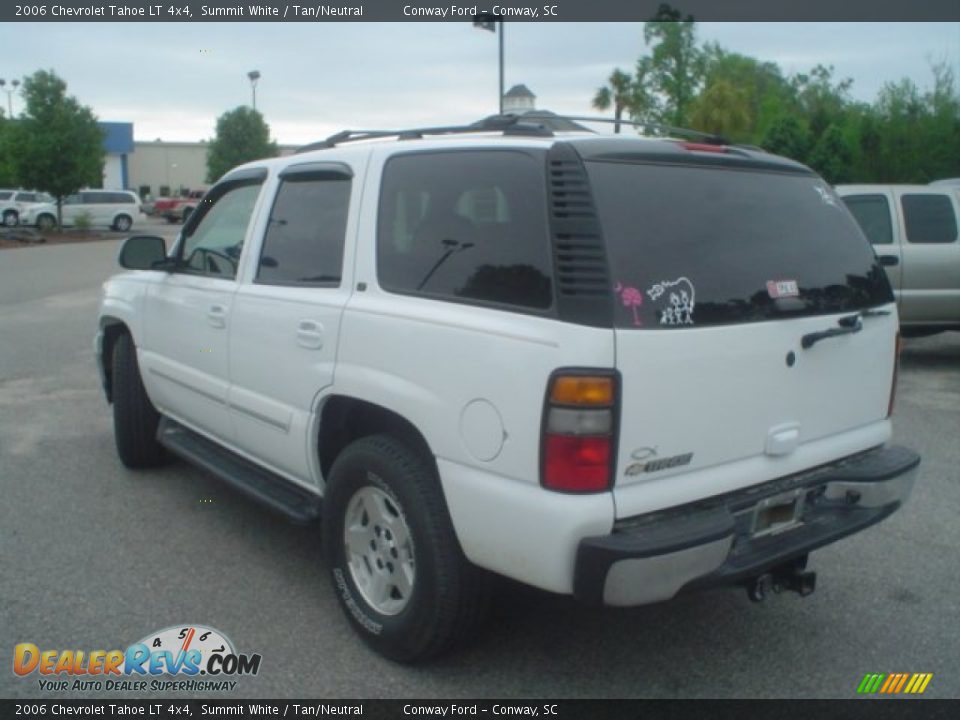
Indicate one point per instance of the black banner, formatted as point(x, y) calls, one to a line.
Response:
point(493, 709)
point(509, 10)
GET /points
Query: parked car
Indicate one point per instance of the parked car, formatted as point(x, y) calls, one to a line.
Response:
point(914, 231)
point(616, 368)
point(178, 209)
point(14, 203)
point(116, 209)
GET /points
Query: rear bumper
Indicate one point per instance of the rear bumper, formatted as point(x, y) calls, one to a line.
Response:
point(653, 557)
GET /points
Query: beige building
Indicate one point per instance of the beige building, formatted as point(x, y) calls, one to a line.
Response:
point(161, 168)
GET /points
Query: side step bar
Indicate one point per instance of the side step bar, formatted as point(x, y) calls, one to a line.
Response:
point(277, 493)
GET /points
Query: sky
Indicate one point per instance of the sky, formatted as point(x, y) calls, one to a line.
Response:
point(172, 80)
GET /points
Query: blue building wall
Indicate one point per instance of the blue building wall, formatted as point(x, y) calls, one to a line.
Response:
point(118, 143)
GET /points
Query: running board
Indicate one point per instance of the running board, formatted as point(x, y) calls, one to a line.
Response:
point(277, 493)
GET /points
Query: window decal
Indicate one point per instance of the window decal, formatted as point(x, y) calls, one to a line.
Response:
point(677, 307)
point(631, 298)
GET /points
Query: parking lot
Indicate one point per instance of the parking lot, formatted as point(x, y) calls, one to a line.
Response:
point(94, 556)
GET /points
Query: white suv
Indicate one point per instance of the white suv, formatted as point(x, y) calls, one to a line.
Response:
point(618, 368)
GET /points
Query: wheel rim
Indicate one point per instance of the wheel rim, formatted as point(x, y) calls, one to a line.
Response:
point(123, 224)
point(9, 219)
point(379, 550)
point(45, 223)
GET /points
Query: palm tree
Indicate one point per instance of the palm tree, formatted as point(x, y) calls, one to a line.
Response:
point(617, 93)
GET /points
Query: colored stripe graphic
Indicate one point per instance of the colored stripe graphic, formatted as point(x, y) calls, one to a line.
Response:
point(894, 683)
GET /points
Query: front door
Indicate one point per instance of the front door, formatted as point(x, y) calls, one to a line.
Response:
point(188, 314)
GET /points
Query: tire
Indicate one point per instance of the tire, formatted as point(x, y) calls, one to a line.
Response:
point(46, 222)
point(135, 419)
point(431, 597)
point(11, 218)
point(122, 223)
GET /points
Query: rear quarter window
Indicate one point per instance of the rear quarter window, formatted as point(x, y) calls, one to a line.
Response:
point(929, 219)
point(466, 226)
point(691, 245)
point(872, 213)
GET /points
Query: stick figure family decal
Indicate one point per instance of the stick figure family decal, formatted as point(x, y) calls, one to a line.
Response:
point(675, 300)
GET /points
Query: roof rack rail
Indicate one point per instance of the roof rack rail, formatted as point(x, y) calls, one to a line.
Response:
point(508, 124)
point(708, 138)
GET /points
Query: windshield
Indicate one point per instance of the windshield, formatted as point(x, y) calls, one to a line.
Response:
point(697, 246)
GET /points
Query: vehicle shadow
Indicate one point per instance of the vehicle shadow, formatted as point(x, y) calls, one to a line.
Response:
point(938, 352)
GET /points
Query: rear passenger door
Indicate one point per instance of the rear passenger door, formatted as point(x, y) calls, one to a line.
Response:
point(286, 319)
point(931, 257)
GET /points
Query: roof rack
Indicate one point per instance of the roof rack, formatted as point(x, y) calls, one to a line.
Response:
point(508, 124)
point(704, 137)
point(529, 124)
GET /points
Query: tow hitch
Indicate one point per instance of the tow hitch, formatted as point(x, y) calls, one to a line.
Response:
point(792, 576)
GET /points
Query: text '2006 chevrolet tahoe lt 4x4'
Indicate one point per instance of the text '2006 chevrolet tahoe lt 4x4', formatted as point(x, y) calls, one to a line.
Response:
point(617, 368)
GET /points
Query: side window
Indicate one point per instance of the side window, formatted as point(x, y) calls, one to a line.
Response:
point(305, 235)
point(27, 197)
point(73, 199)
point(466, 225)
point(872, 213)
point(214, 245)
point(929, 219)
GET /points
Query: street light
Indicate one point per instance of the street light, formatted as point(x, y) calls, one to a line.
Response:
point(14, 85)
point(489, 21)
point(254, 75)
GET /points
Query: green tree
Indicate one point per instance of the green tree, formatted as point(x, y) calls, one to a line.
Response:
point(242, 136)
point(674, 70)
point(8, 176)
point(787, 136)
point(56, 145)
point(616, 93)
point(722, 109)
point(832, 156)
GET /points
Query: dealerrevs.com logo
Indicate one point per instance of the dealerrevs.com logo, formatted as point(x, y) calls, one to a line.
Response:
point(181, 657)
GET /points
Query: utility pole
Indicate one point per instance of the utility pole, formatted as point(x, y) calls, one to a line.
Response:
point(254, 75)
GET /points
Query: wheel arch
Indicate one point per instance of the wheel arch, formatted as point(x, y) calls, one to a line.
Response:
point(344, 419)
point(111, 328)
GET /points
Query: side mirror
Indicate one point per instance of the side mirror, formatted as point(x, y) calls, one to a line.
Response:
point(143, 252)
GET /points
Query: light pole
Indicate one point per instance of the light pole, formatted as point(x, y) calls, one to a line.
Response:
point(254, 75)
point(489, 21)
point(14, 85)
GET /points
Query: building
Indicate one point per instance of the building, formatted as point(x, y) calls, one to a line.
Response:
point(159, 168)
point(518, 100)
point(118, 144)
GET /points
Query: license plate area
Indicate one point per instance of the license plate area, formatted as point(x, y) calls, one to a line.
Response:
point(778, 514)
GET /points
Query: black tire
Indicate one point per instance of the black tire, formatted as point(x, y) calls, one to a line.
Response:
point(449, 595)
point(11, 218)
point(122, 223)
point(46, 222)
point(135, 419)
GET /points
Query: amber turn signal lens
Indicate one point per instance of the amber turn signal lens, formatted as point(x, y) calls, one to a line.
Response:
point(582, 390)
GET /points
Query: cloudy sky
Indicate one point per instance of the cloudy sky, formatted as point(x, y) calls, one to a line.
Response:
point(173, 80)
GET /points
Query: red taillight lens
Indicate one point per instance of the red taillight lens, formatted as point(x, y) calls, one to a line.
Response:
point(896, 371)
point(576, 464)
point(578, 432)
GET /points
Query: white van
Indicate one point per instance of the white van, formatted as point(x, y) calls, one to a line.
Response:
point(116, 209)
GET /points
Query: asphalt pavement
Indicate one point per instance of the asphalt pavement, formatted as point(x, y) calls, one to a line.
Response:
point(94, 556)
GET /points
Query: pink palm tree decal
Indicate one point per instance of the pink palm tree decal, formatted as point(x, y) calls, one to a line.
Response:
point(631, 298)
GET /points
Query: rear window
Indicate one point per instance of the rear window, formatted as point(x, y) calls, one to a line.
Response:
point(695, 246)
point(466, 226)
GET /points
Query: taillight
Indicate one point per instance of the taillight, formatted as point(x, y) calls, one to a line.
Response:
point(898, 345)
point(579, 423)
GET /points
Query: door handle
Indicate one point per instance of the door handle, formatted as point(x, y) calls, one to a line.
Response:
point(217, 316)
point(310, 334)
point(889, 260)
